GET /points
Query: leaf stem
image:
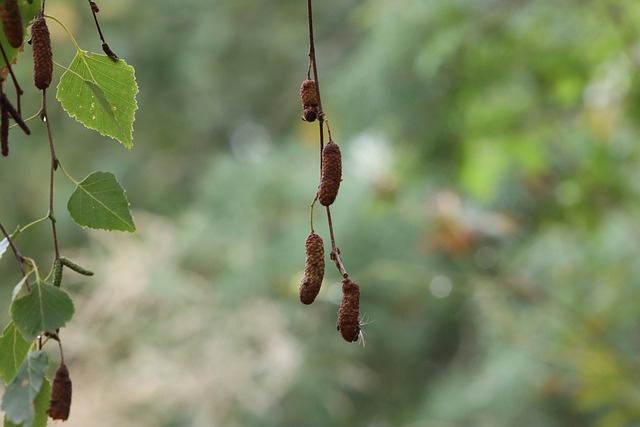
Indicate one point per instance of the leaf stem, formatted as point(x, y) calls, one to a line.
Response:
point(13, 77)
point(65, 29)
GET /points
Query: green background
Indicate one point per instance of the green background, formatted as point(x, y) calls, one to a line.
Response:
point(489, 212)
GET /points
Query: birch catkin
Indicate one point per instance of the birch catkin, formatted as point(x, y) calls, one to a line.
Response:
point(12, 23)
point(313, 270)
point(60, 403)
point(310, 101)
point(331, 174)
point(42, 55)
point(349, 313)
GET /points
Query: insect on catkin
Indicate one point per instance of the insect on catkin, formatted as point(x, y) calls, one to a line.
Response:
point(12, 22)
point(349, 313)
point(313, 270)
point(310, 101)
point(60, 402)
point(42, 55)
point(331, 174)
point(4, 130)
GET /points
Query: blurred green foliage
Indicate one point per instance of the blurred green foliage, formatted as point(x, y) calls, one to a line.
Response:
point(488, 211)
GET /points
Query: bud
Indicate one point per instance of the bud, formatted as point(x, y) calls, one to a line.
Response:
point(349, 313)
point(310, 101)
point(313, 270)
point(60, 403)
point(42, 55)
point(331, 174)
point(12, 22)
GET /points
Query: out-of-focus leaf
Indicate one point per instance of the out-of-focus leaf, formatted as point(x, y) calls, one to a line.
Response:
point(99, 202)
point(19, 397)
point(45, 308)
point(13, 349)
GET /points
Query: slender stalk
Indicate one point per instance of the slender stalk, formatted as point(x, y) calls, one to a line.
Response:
point(16, 253)
point(335, 251)
point(53, 167)
point(13, 77)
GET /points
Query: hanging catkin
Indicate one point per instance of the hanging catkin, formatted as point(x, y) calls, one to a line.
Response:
point(60, 403)
point(12, 22)
point(313, 270)
point(331, 174)
point(349, 313)
point(310, 101)
point(42, 55)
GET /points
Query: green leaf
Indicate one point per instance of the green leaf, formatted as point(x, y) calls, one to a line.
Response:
point(18, 399)
point(41, 404)
point(45, 308)
point(13, 349)
point(99, 202)
point(101, 94)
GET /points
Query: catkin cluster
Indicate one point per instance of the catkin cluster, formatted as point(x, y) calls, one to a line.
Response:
point(330, 178)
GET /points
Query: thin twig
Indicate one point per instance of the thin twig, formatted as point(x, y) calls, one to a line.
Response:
point(13, 77)
point(17, 254)
point(53, 167)
point(335, 251)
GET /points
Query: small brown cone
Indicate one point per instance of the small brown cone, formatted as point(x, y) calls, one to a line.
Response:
point(42, 55)
point(331, 174)
point(12, 22)
point(310, 101)
point(313, 270)
point(60, 403)
point(349, 313)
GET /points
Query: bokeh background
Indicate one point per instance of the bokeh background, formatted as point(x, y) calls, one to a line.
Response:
point(489, 211)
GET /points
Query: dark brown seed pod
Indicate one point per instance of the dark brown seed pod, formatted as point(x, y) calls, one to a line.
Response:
point(107, 50)
point(94, 7)
point(42, 55)
point(313, 270)
point(60, 402)
point(349, 313)
point(331, 174)
point(4, 130)
point(12, 22)
point(310, 101)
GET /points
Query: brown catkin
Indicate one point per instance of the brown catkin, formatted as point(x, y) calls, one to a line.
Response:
point(4, 130)
point(331, 174)
point(349, 313)
point(42, 55)
point(94, 7)
point(310, 101)
point(313, 269)
point(12, 22)
point(60, 403)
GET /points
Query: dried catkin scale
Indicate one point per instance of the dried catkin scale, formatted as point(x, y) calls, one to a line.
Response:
point(42, 55)
point(331, 174)
point(313, 270)
point(60, 402)
point(4, 130)
point(310, 101)
point(12, 22)
point(349, 313)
